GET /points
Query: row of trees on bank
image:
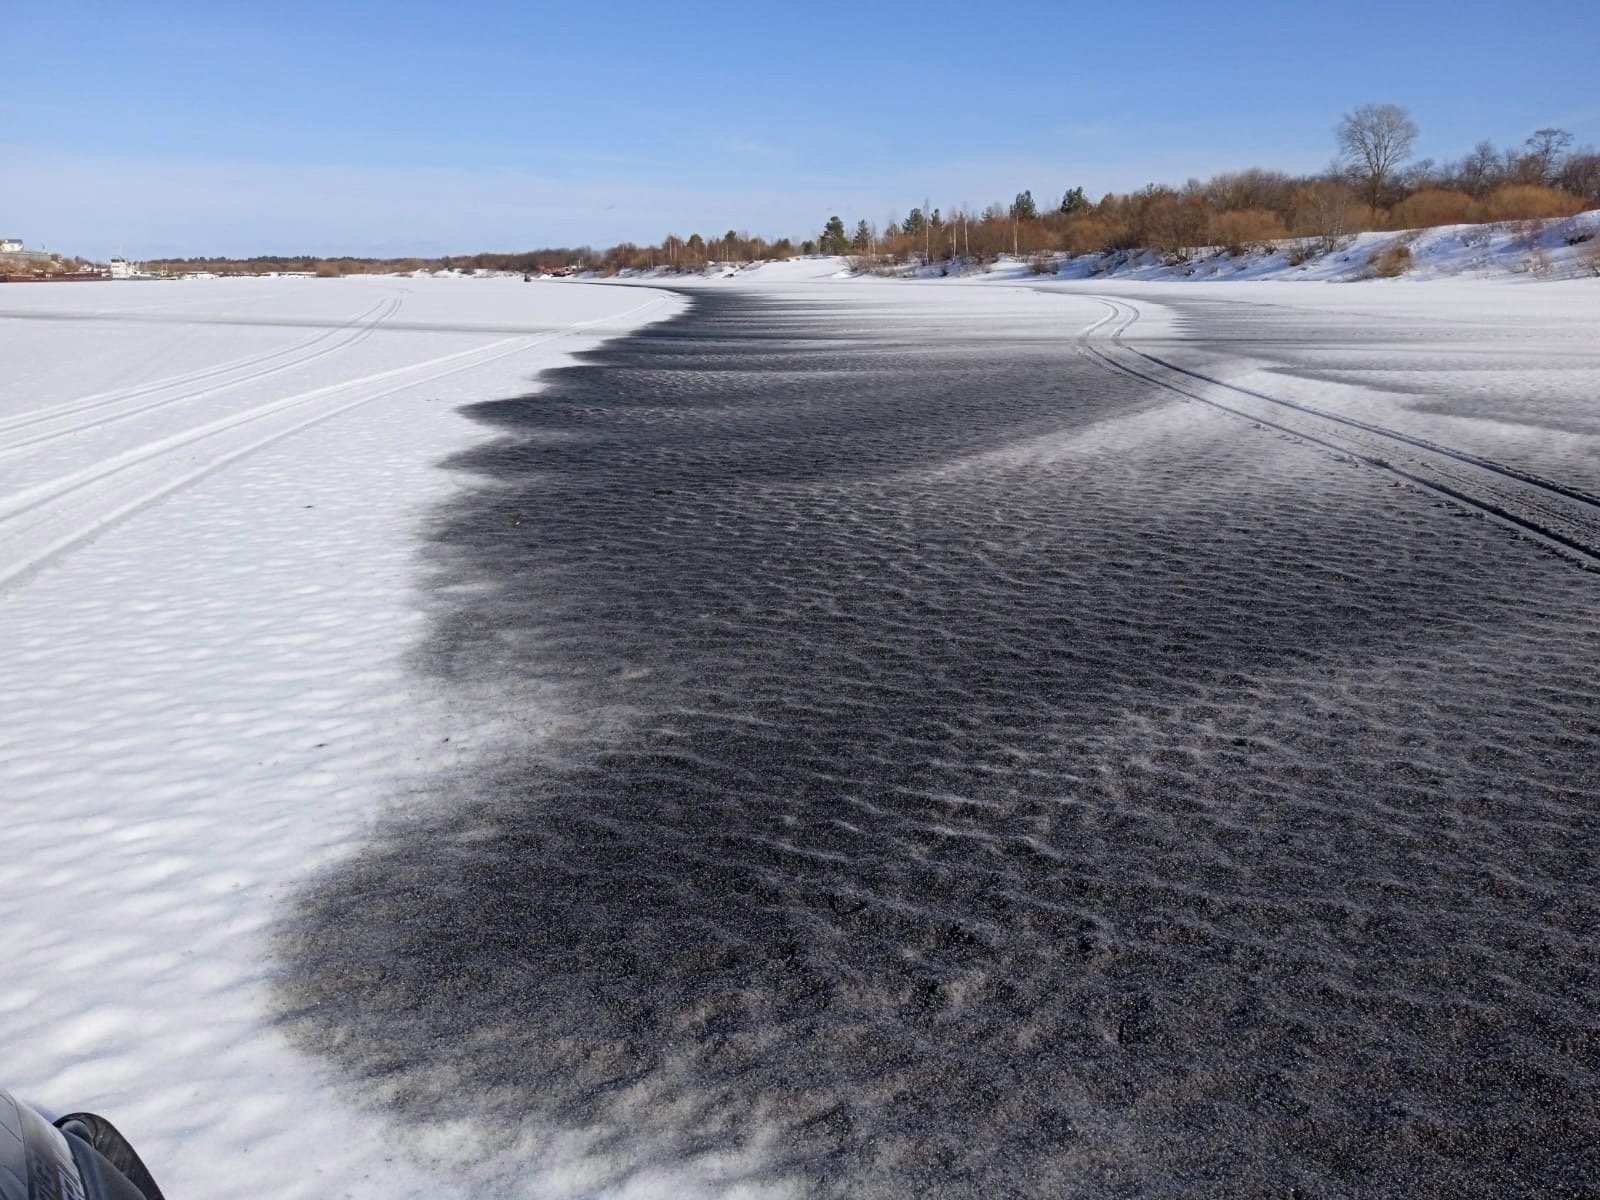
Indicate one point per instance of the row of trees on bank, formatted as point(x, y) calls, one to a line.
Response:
point(692, 253)
point(312, 264)
point(1373, 184)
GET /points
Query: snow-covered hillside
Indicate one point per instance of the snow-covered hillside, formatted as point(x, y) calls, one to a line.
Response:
point(1565, 249)
point(1568, 248)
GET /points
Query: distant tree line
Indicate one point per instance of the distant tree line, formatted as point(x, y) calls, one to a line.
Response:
point(43, 264)
point(1372, 184)
point(692, 253)
point(270, 264)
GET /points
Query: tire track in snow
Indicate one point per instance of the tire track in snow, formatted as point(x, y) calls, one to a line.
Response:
point(359, 330)
point(1562, 518)
point(41, 522)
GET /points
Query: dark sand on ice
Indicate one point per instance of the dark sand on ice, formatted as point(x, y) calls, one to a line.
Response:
point(982, 775)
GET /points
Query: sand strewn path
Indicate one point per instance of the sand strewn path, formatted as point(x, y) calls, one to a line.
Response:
point(934, 763)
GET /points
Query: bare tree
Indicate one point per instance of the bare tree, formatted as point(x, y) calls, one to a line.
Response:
point(1581, 176)
point(1373, 140)
point(1480, 171)
point(1546, 150)
point(1325, 213)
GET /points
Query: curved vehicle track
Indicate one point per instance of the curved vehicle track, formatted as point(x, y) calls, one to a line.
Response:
point(1565, 519)
point(40, 521)
point(123, 403)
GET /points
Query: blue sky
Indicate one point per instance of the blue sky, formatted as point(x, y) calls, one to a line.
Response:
point(404, 127)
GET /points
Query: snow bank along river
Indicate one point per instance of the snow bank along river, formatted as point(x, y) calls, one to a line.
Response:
point(904, 739)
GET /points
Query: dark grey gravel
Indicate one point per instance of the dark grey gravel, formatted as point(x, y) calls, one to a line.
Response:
point(981, 776)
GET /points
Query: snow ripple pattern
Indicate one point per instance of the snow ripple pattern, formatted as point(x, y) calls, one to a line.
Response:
point(988, 776)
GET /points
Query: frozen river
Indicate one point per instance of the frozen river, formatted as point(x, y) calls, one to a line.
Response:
point(843, 738)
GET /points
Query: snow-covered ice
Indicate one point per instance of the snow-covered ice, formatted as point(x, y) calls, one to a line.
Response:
point(207, 497)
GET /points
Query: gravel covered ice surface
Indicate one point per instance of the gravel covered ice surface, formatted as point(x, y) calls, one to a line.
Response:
point(904, 739)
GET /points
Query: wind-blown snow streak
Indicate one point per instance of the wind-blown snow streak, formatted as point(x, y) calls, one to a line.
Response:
point(981, 773)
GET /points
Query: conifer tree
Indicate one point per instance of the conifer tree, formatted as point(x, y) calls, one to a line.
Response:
point(834, 238)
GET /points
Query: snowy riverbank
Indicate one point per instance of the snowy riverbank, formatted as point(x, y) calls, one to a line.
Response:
point(1530, 251)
